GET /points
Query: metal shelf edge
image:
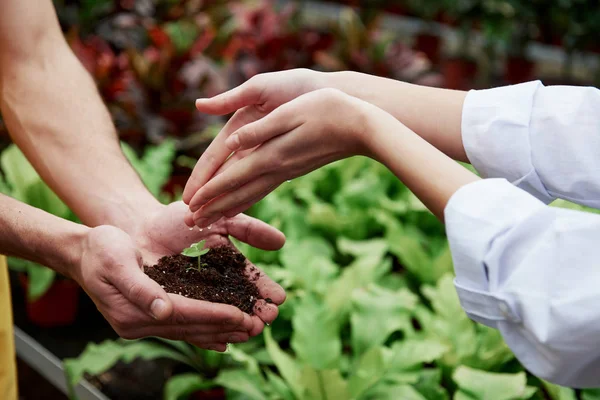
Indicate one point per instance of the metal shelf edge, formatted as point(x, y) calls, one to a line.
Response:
point(50, 367)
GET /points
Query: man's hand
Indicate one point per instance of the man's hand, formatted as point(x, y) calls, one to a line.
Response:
point(111, 272)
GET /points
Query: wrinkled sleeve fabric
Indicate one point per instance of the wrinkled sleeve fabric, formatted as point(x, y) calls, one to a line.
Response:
point(544, 140)
point(533, 272)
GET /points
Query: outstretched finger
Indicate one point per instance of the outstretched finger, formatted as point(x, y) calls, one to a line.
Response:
point(279, 122)
point(246, 94)
point(239, 196)
point(217, 153)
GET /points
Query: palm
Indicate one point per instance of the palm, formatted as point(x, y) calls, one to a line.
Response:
point(165, 233)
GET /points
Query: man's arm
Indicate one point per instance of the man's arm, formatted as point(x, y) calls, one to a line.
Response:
point(35, 235)
point(54, 113)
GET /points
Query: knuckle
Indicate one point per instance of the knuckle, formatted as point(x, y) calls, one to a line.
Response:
point(233, 183)
point(179, 319)
point(135, 292)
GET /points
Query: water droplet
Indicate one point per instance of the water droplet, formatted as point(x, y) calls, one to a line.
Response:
point(192, 228)
point(267, 324)
point(209, 227)
point(201, 229)
point(288, 181)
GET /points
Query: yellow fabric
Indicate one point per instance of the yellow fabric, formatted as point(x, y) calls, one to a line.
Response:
point(8, 369)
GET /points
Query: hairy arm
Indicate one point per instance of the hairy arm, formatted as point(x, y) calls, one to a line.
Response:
point(54, 113)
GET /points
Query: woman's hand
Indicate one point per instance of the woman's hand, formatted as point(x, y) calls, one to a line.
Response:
point(250, 101)
point(298, 137)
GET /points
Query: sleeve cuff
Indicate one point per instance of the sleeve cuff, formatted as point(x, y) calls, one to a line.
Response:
point(475, 216)
point(495, 133)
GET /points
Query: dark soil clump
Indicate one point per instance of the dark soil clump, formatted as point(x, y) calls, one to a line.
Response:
point(221, 279)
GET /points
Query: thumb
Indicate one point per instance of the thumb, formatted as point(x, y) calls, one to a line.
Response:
point(142, 291)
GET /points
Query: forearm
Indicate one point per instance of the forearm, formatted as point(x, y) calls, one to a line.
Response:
point(434, 114)
point(431, 175)
point(55, 115)
point(35, 235)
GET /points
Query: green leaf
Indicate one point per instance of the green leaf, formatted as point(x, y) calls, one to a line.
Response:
point(243, 382)
point(394, 392)
point(483, 385)
point(412, 255)
point(375, 248)
point(410, 353)
point(310, 262)
point(369, 371)
point(242, 357)
point(155, 166)
point(449, 322)
point(287, 366)
point(562, 393)
point(182, 385)
point(429, 385)
point(182, 34)
point(360, 274)
point(18, 172)
point(324, 385)
point(40, 196)
point(40, 279)
point(315, 338)
point(196, 250)
point(376, 313)
point(98, 358)
point(590, 394)
point(279, 386)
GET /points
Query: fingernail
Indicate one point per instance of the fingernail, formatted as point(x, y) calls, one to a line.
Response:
point(157, 308)
point(233, 142)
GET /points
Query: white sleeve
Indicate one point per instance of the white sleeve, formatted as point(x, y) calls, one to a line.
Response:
point(545, 140)
point(533, 272)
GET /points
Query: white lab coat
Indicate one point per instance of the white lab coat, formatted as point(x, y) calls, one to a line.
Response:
point(530, 270)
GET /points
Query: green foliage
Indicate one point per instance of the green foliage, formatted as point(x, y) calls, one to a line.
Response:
point(371, 313)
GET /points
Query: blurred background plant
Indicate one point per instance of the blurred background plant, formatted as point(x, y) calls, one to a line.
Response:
point(371, 312)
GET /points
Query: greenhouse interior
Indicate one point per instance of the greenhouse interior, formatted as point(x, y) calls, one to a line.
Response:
point(371, 306)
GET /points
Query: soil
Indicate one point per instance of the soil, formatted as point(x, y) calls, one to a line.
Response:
point(221, 279)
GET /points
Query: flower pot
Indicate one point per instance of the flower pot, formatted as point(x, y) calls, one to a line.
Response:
point(518, 70)
point(459, 73)
point(430, 45)
point(57, 307)
point(209, 394)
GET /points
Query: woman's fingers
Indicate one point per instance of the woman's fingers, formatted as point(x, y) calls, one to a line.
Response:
point(237, 196)
point(217, 153)
point(279, 122)
point(234, 177)
point(246, 94)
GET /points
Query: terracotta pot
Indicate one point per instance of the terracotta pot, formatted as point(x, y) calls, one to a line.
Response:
point(430, 45)
point(209, 394)
point(57, 307)
point(518, 70)
point(459, 73)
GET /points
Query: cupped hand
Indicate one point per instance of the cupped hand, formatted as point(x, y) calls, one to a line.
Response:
point(250, 101)
point(298, 137)
point(111, 272)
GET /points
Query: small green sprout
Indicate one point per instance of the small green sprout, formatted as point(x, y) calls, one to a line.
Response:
point(196, 250)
